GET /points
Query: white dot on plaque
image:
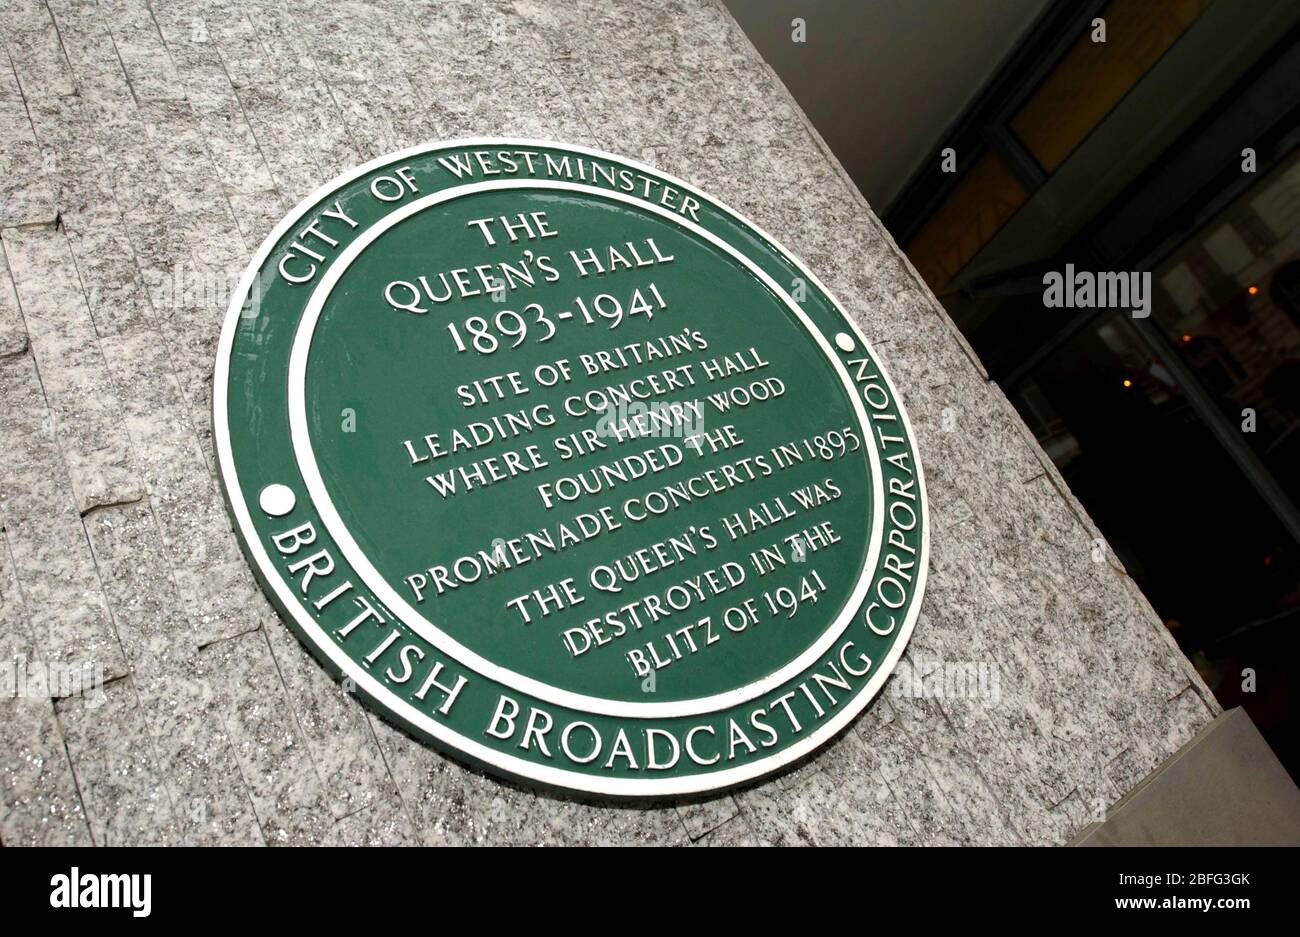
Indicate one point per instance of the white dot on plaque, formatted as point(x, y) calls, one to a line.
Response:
point(845, 341)
point(277, 500)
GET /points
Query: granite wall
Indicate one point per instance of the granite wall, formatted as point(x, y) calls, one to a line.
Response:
point(147, 148)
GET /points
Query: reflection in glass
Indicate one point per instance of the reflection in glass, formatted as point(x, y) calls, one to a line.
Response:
point(1228, 299)
point(1212, 558)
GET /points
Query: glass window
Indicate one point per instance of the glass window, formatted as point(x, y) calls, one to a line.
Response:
point(1208, 553)
point(980, 203)
point(1093, 76)
point(1229, 299)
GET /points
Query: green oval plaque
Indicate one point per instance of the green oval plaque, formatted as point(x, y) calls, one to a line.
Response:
point(568, 468)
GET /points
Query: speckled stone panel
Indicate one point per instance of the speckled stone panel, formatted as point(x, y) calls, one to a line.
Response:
point(146, 148)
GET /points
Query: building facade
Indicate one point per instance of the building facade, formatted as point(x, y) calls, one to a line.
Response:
point(158, 698)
